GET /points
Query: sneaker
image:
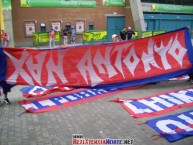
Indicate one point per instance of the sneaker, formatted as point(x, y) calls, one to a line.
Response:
point(6, 101)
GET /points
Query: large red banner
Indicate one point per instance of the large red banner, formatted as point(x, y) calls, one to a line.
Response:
point(98, 64)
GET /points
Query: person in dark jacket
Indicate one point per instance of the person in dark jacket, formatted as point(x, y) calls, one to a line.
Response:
point(123, 33)
point(130, 33)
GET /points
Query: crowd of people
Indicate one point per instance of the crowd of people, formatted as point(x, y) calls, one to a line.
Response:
point(68, 33)
point(125, 34)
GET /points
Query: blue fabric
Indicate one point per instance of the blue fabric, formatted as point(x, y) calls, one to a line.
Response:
point(189, 44)
point(179, 134)
point(3, 64)
point(51, 30)
point(73, 32)
point(5, 86)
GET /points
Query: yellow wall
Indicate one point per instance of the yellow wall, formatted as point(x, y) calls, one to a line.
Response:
point(2, 25)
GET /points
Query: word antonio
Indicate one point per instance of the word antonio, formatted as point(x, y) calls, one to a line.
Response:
point(98, 64)
point(127, 62)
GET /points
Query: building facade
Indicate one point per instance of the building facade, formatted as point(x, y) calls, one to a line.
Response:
point(142, 15)
point(167, 14)
point(110, 18)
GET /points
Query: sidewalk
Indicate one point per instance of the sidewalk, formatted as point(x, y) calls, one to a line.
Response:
point(97, 119)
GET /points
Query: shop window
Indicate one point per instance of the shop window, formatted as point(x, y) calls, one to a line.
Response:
point(91, 26)
point(43, 27)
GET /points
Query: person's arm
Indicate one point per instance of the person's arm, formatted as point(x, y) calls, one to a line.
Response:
point(133, 33)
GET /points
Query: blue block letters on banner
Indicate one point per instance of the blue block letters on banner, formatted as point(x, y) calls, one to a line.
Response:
point(174, 127)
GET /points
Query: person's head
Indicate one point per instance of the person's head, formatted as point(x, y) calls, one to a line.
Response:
point(129, 28)
point(123, 29)
point(115, 38)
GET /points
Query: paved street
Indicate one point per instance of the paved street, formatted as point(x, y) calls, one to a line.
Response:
point(98, 119)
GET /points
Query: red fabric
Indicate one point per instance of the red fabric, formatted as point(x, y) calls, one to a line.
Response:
point(98, 64)
point(30, 108)
point(51, 35)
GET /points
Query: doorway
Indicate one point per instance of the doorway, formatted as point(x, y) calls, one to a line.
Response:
point(114, 25)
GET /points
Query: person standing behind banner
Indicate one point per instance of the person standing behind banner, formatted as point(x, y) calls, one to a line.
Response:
point(4, 38)
point(65, 33)
point(130, 33)
point(115, 38)
point(123, 33)
point(52, 37)
point(73, 35)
